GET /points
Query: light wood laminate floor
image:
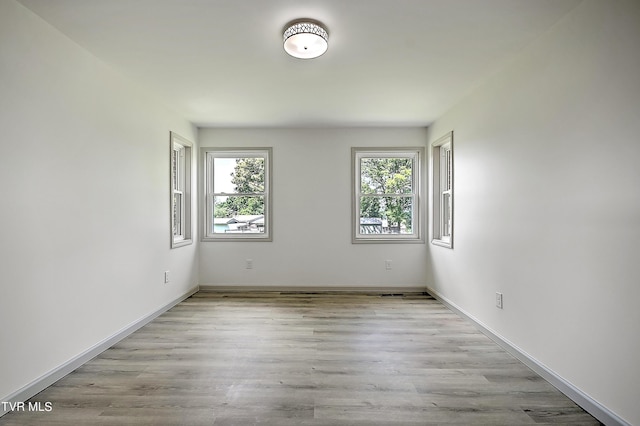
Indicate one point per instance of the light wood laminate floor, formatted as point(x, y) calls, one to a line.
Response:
point(304, 359)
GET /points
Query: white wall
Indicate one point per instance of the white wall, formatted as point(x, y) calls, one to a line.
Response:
point(85, 204)
point(547, 184)
point(311, 215)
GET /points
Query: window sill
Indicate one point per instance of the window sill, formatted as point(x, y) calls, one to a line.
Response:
point(388, 240)
point(442, 243)
point(236, 239)
point(180, 243)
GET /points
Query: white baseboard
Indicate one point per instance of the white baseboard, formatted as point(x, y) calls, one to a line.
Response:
point(593, 407)
point(47, 379)
point(313, 289)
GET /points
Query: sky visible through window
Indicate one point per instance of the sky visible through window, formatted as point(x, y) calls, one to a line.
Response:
point(222, 169)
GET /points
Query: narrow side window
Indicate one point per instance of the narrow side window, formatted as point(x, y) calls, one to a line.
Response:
point(180, 171)
point(442, 155)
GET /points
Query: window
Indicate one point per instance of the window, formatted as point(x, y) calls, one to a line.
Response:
point(180, 196)
point(386, 195)
point(443, 191)
point(237, 194)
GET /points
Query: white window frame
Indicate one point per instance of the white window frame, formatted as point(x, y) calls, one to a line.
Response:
point(416, 154)
point(443, 174)
point(180, 161)
point(207, 155)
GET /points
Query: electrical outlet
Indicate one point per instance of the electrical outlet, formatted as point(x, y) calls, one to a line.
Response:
point(387, 264)
point(499, 300)
point(166, 277)
point(249, 264)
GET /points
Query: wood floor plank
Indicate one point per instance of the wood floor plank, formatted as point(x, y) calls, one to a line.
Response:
point(304, 359)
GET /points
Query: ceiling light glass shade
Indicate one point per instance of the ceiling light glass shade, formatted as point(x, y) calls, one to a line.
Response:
point(305, 40)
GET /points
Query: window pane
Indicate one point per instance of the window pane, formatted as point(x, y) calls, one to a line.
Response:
point(174, 168)
point(386, 215)
point(449, 169)
point(177, 214)
point(238, 214)
point(446, 214)
point(386, 175)
point(238, 175)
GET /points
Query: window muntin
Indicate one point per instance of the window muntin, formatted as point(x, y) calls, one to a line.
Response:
point(442, 154)
point(237, 194)
point(386, 194)
point(180, 175)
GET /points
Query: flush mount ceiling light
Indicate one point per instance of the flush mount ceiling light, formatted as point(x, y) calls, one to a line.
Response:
point(305, 39)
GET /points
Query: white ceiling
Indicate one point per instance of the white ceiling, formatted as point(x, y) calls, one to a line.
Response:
point(221, 62)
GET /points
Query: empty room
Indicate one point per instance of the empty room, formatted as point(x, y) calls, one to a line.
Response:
point(320, 212)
